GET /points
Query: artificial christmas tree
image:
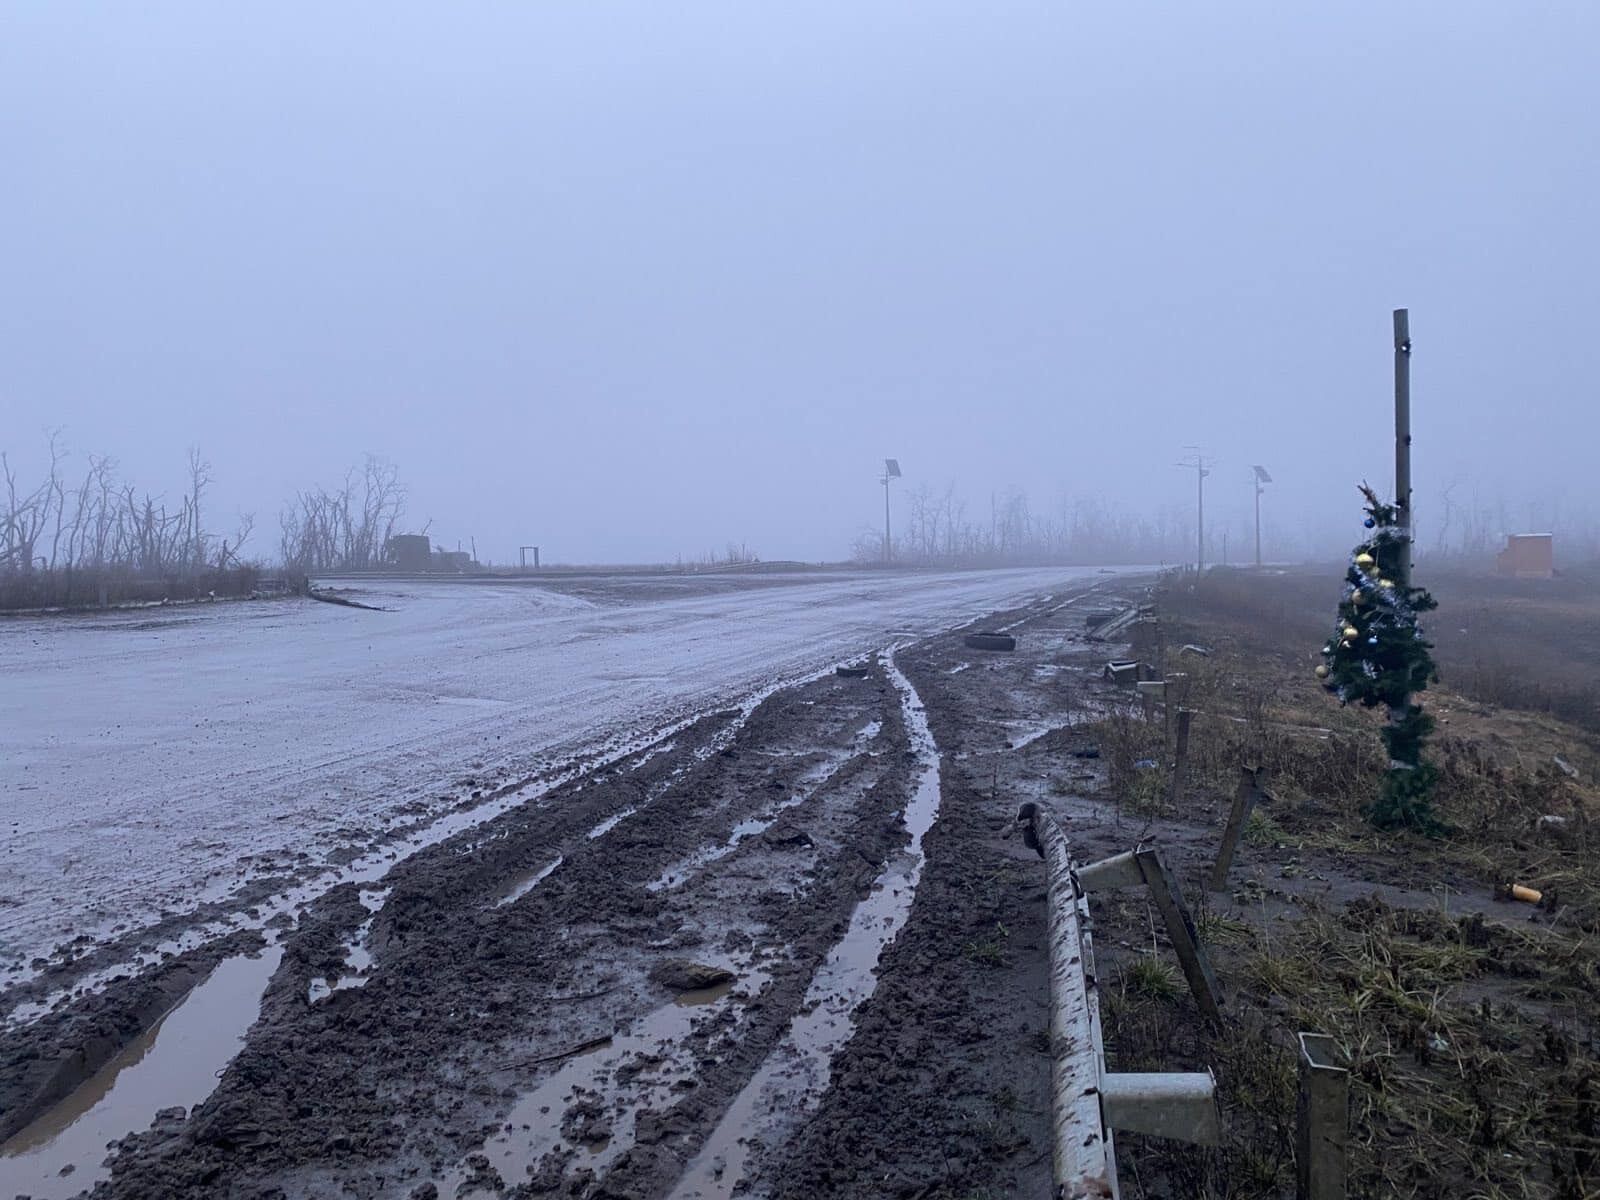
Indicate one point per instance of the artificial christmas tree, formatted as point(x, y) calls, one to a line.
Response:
point(1377, 655)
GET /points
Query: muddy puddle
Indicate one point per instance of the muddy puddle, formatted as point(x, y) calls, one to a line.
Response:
point(524, 884)
point(358, 959)
point(175, 1063)
point(793, 1077)
point(1022, 734)
point(586, 1111)
point(808, 785)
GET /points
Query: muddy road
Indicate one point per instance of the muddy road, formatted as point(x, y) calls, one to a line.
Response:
point(190, 761)
point(785, 947)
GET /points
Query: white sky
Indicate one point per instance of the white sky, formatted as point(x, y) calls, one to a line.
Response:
point(631, 280)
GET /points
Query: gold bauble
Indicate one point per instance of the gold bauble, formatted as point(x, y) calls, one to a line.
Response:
point(1364, 560)
point(1350, 631)
point(1322, 671)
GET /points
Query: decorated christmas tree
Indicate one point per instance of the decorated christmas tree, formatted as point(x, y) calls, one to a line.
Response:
point(1377, 655)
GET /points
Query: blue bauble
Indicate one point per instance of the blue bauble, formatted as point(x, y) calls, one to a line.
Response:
point(1369, 522)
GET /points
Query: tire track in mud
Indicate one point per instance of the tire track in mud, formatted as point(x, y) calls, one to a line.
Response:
point(187, 936)
point(791, 1080)
point(748, 842)
point(35, 1088)
point(455, 979)
point(943, 1089)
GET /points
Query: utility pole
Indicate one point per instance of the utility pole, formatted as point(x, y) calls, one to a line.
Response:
point(1199, 462)
point(1261, 477)
point(1402, 434)
point(891, 470)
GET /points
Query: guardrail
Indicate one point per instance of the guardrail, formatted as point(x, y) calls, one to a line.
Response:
point(1090, 1103)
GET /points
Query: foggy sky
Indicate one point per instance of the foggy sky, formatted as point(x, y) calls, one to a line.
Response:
point(632, 280)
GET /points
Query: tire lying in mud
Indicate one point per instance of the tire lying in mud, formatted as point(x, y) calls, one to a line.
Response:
point(854, 671)
point(990, 641)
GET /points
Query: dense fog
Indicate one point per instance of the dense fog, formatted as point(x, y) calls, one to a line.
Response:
point(644, 283)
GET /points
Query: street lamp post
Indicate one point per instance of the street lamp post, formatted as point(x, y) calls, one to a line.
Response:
point(891, 470)
point(1261, 478)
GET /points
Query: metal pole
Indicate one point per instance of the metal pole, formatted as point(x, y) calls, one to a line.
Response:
point(1200, 516)
point(887, 543)
point(1258, 524)
point(1323, 1120)
point(1180, 759)
point(1244, 802)
point(1402, 434)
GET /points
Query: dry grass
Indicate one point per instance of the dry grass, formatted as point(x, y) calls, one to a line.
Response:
point(1474, 1044)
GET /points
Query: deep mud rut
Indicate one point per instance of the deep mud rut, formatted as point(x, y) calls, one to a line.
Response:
point(784, 950)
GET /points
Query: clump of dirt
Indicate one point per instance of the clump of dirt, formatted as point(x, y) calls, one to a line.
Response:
point(682, 975)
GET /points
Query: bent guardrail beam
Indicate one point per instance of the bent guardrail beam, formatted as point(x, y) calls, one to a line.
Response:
point(1088, 1102)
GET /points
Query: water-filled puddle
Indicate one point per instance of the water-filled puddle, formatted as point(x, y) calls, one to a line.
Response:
point(522, 886)
point(539, 1121)
point(357, 951)
point(175, 1063)
point(696, 997)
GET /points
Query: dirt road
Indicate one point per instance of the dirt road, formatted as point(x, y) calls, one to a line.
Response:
point(779, 948)
point(159, 760)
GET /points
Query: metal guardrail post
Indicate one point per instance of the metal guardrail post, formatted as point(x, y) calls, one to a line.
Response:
point(1180, 759)
point(1244, 803)
point(1146, 866)
point(1323, 1120)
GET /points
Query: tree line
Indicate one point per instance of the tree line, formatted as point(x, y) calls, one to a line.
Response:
point(70, 539)
point(939, 528)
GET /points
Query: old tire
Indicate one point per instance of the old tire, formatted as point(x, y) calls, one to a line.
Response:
point(991, 641)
